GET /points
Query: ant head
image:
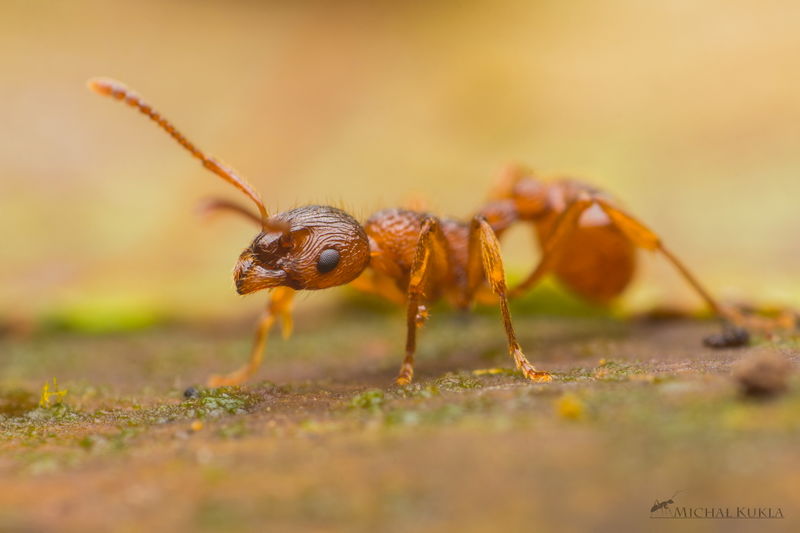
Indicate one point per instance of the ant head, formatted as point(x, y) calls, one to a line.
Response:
point(522, 186)
point(308, 248)
point(312, 247)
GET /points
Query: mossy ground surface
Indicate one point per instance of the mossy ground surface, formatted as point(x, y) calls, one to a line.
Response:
point(636, 413)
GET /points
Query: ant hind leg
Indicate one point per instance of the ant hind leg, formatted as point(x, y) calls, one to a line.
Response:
point(564, 226)
point(643, 237)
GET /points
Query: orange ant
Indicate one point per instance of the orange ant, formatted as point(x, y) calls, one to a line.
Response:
point(658, 505)
point(415, 258)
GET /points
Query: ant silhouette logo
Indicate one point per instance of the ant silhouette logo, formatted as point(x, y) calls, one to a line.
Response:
point(661, 508)
point(670, 510)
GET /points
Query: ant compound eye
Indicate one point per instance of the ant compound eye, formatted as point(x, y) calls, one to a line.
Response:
point(327, 261)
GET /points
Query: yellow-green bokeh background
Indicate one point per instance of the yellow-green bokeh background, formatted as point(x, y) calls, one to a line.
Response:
point(688, 111)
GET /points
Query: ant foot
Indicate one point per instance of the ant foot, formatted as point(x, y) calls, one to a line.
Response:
point(765, 321)
point(538, 376)
point(406, 375)
point(527, 369)
point(227, 380)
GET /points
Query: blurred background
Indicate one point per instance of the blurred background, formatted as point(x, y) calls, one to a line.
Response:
point(687, 111)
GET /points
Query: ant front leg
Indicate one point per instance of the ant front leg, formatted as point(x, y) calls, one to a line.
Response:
point(429, 249)
point(485, 258)
point(280, 305)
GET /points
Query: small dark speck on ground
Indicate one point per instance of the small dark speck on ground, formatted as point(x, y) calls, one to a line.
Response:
point(730, 337)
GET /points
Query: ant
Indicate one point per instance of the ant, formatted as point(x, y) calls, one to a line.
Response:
point(661, 505)
point(657, 506)
point(415, 258)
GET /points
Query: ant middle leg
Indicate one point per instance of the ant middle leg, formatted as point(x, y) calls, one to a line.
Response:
point(429, 249)
point(280, 305)
point(485, 259)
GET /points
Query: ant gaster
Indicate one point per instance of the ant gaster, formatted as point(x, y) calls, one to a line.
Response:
point(414, 258)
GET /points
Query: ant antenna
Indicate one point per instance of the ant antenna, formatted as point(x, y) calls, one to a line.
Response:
point(118, 90)
point(671, 497)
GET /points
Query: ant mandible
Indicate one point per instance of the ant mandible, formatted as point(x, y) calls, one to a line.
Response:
point(415, 258)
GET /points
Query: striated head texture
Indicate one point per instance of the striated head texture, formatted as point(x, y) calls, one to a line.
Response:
point(308, 248)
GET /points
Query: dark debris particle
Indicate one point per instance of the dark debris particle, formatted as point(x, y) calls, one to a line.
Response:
point(763, 374)
point(731, 337)
point(191, 393)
